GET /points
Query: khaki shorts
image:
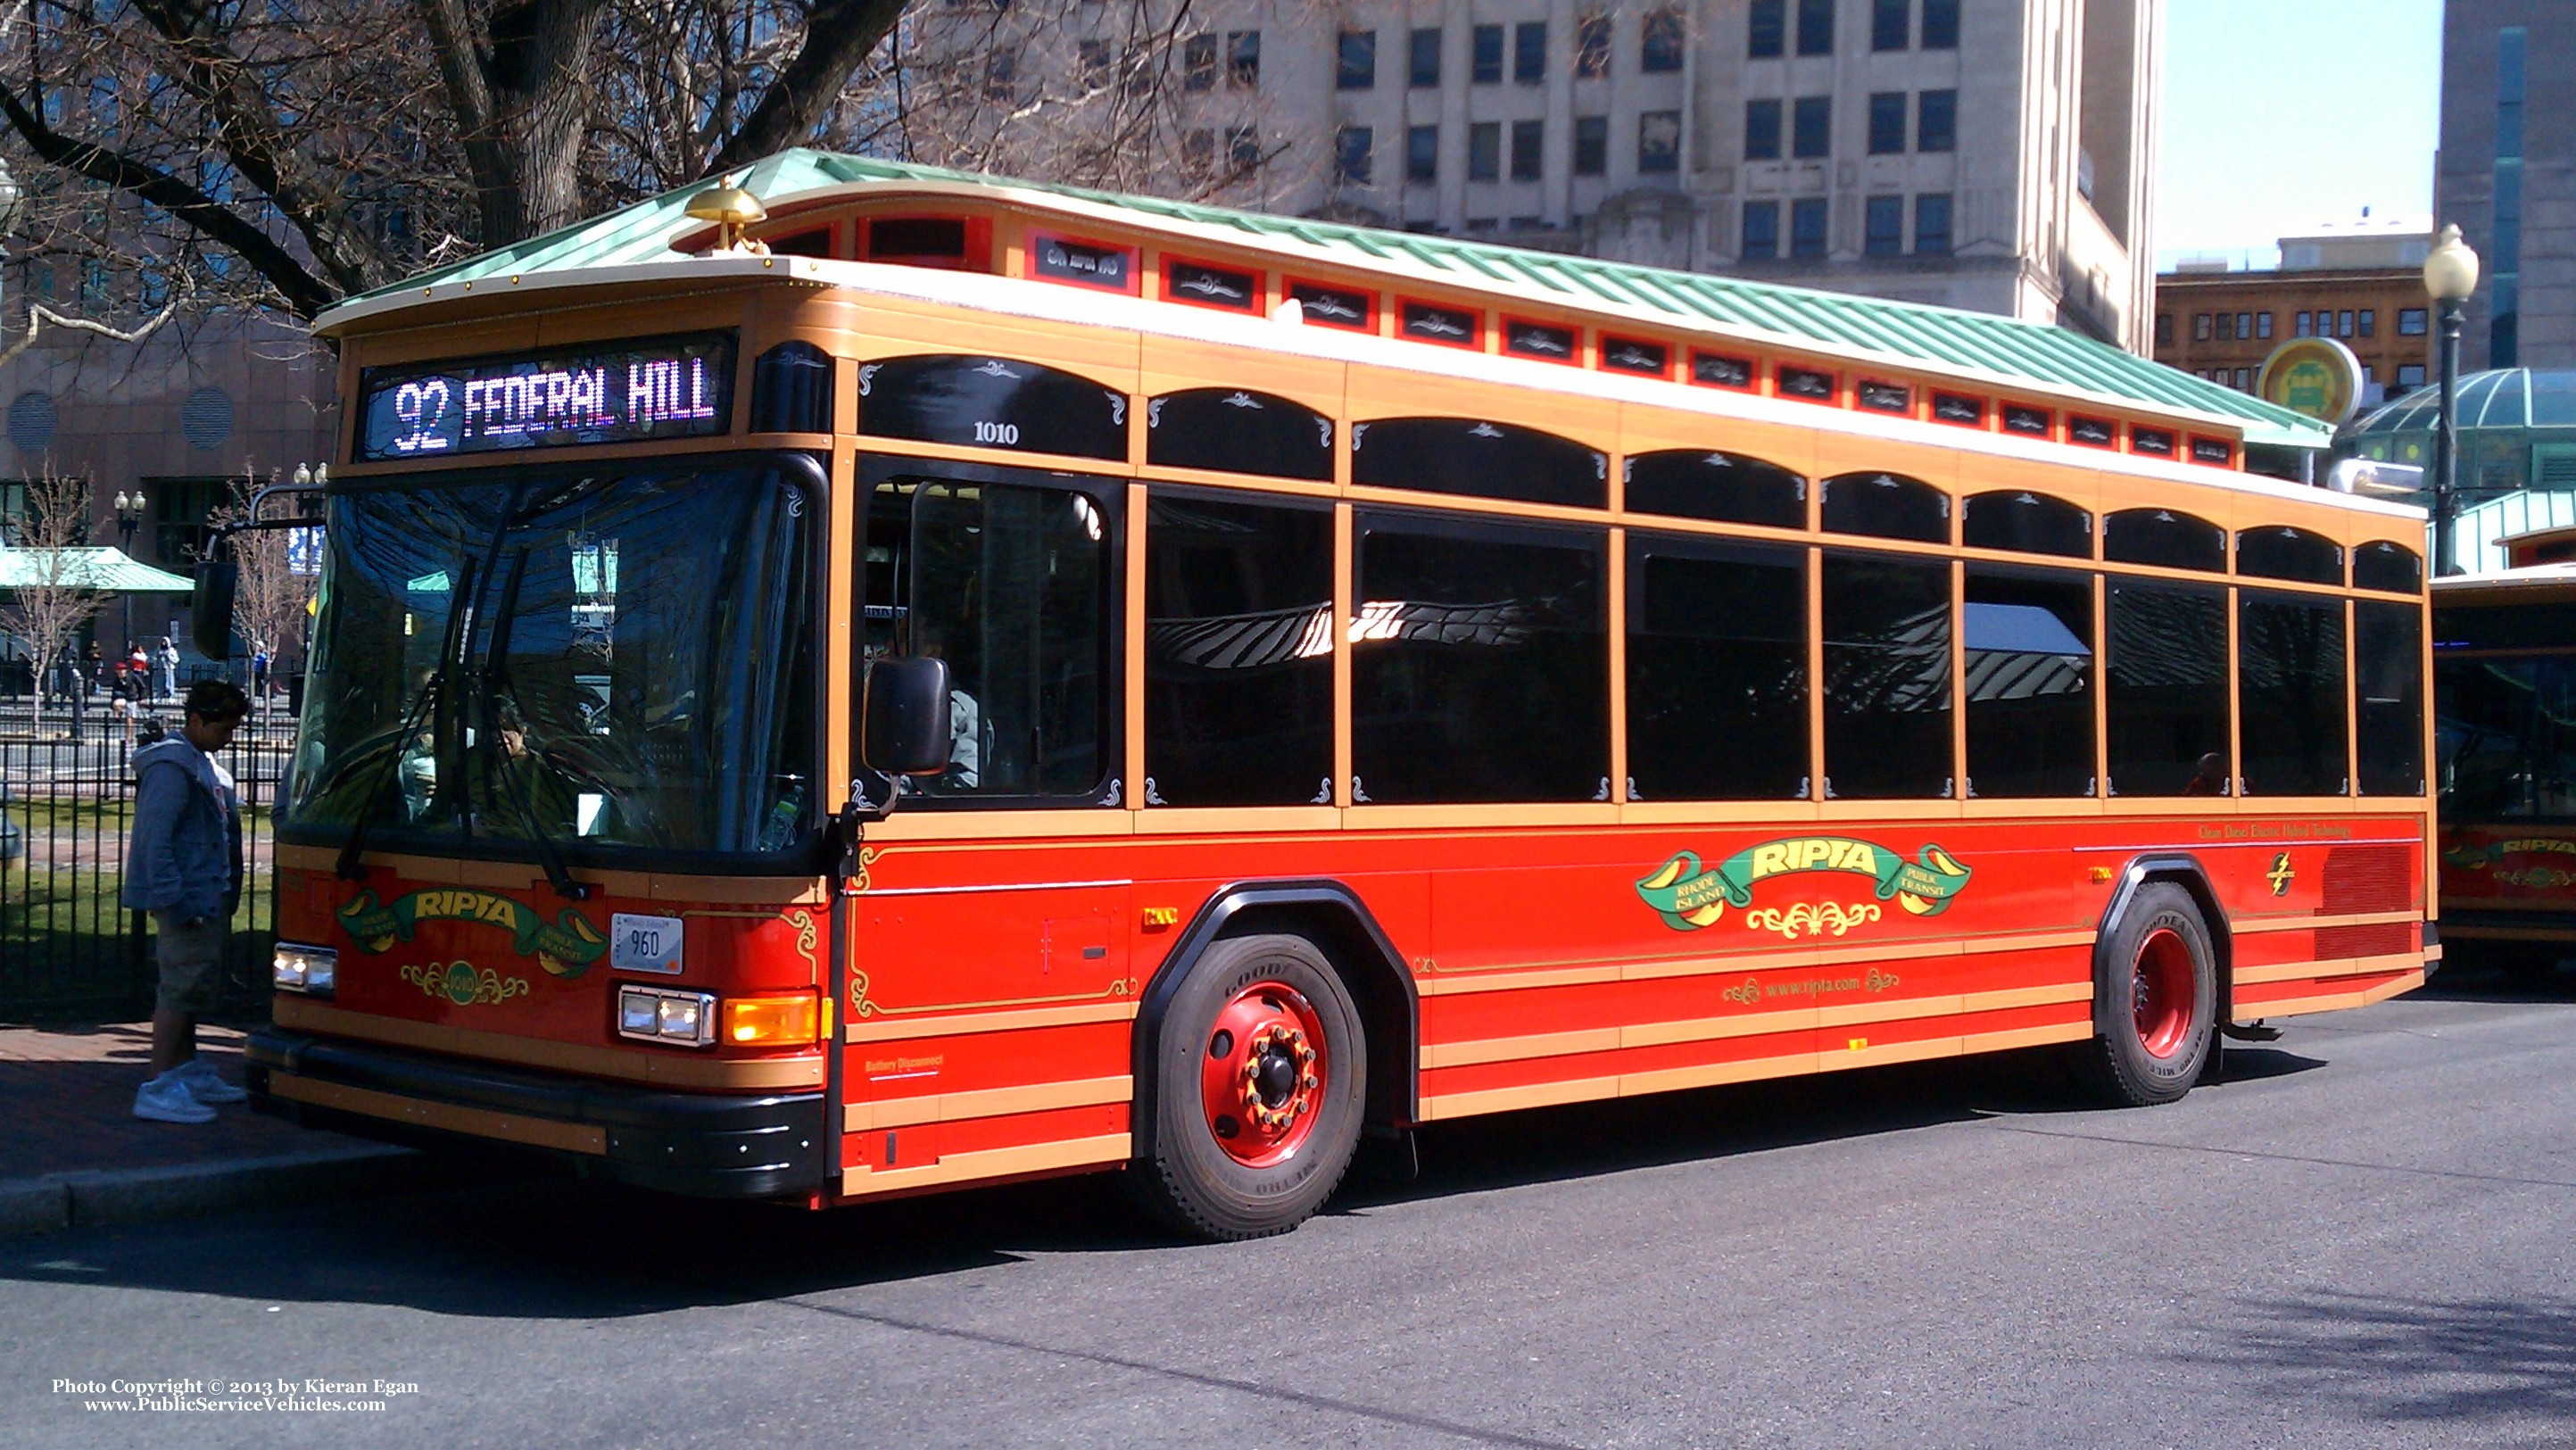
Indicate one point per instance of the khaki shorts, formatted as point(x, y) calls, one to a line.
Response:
point(192, 960)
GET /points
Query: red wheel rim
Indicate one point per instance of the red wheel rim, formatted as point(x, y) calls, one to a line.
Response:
point(1262, 1074)
point(2162, 990)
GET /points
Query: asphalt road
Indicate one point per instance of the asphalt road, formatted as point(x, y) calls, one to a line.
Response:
point(2360, 1238)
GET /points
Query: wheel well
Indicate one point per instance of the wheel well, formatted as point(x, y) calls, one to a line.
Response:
point(1378, 987)
point(2185, 872)
point(1328, 914)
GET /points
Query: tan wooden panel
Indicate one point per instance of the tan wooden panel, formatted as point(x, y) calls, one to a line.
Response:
point(1169, 364)
point(896, 327)
point(1388, 393)
point(1645, 430)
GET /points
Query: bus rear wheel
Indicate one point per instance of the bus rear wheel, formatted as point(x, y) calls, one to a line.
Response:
point(2156, 986)
point(1260, 1073)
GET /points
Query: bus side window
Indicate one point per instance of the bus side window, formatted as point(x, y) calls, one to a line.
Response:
point(1703, 483)
point(1238, 652)
point(1717, 670)
point(1234, 430)
point(2290, 691)
point(2167, 688)
point(1479, 459)
point(2165, 539)
point(1886, 506)
point(2029, 638)
point(1480, 662)
point(1887, 678)
point(2390, 567)
point(2281, 552)
point(2388, 673)
point(2026, 523)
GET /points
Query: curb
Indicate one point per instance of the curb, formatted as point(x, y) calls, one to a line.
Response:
point(92, 1198)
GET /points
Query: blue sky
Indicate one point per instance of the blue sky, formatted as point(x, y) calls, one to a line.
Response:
point(2279, 114)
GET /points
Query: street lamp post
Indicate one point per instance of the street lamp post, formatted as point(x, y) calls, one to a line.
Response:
point(129, 517)
point(2450, 275)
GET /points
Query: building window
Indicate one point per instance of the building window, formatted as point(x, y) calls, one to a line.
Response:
point(2303, 326)
point(1815, 27)
point(1884, 235)
point(1659, 142)
point(2410, 322)
point(1198, 152)
point(2263, 326)
point(1002, 76)
point(1422, 154)
point(1243, 59)
point(2245, 325)
point(2244, 380)
point(2369, 321)
point(1198, 63)
point(1485, 151)
point(1661, 53)
point(2227, 327)
point(1529, 53)
point(2200, 327)
point(1761, 229)
point(1807, 227)
point(1886, 123)
point(1489, 55)
point(1358, 68)
point(1592, 46)
point(1351, 158)
point(2164, 329)
point(1940, 24)
point(1891, 23)
point(1812, 127)
point(1768, 29)
point(1422, 60)
point(1242, 148)
point(2410, 375)
point(1762, 130)
point(1936, 121)
point(1092, 63)
point(2343, 323)
point(1932, 224)
point(1526, 139)
point(1591, 145)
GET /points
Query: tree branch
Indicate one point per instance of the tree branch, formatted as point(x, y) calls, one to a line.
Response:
point(839, 34)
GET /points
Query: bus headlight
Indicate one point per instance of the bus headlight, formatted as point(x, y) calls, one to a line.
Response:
point(657, 1014)
point(313, 971)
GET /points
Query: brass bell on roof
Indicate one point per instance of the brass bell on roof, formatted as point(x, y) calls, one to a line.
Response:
point(731, 208)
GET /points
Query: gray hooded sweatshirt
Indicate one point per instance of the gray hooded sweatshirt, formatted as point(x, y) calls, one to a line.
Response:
point(185, 854)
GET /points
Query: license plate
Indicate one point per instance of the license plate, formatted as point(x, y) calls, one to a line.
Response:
point(644, 943)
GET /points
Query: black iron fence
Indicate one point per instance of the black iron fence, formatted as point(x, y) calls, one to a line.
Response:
point(68, 949)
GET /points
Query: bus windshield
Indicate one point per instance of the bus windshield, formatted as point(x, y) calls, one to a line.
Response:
point(2507, 735)
point(617, 656)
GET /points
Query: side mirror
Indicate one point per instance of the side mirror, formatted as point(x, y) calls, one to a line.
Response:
point(904, 723)
point(210, 609)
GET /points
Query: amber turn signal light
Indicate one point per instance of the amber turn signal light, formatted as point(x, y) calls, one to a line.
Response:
point(770, 1021)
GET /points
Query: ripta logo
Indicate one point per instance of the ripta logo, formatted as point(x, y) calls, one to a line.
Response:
point(1689, 896)
point(565, 946)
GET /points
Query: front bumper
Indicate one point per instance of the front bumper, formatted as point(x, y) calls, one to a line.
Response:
point(705, 1145)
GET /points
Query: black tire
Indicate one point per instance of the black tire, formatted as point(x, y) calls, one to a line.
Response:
point(2149, 1047)
point(1182, 1173)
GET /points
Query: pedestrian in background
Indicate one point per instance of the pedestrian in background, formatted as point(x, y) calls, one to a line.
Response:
point(94, 670)
point(168, 658)
point(184, 866)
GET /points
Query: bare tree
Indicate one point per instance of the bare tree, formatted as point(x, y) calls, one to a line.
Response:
point(58, 576)
point(274, 584)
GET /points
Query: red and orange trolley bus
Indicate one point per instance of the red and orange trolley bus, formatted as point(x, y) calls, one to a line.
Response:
point(2505, 766)
point(881, 680)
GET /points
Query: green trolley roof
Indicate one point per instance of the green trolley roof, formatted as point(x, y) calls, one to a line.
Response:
point(1901, 333)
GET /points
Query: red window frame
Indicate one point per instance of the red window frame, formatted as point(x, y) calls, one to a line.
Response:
point(1603, 342)
point(2192, 451)
point(1475, 339)
point(1133, 287)
point(2111, 424)
point(1985, 409)
point(2003, 424)
point(1260, 291)
point(1832, 399)
point(2173, 443)
point(1860, 398)
point(1752, 371)
point(1289, 283)
point(1573, 357)
point(978, 256)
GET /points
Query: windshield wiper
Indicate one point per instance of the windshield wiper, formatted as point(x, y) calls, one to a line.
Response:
point(492, 686)
point(347, 868)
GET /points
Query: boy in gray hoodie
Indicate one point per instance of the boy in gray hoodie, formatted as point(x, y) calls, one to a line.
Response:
point(184, 866)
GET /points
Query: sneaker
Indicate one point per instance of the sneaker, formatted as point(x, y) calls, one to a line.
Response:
point(198, 1075)
point(165, 1099)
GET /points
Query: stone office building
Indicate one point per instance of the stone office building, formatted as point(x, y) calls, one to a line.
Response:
point(2507, 175)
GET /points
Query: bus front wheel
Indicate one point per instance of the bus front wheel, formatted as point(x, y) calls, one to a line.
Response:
point(2157, 987)
point(1260, 1073)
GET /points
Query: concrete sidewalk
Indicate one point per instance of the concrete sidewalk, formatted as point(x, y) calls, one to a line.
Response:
point(74, 1154)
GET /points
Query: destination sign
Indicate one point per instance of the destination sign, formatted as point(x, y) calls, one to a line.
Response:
point(662, 388)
